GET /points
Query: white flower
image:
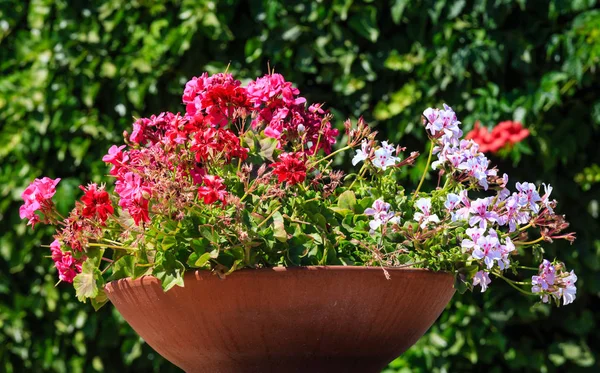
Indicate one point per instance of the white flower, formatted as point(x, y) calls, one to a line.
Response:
point(482, 279)
point(362, 153)
point(384, 156)
point(425, 216)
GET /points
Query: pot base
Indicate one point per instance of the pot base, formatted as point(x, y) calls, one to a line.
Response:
point(306, 319)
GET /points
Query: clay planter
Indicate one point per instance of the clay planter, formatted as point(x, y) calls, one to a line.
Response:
point(307, 319)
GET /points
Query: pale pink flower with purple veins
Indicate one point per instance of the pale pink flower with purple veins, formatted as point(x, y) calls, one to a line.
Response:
point(442, 153)
point(469, 245)
point(513, 216)
point(481, 215)
point(487, 250)
point(546, 198)
point(477, 168)
point(569, 290)
point(463, 212)
point(553, 280)
point(455, 159)
point(502, 195)
point(362, 153)
point(452, 201)
point(482, 279)
point(431, 115)
point(443, 121)
point(544, 279)
point(380, 211)
point(384, 157)
point(424, 217)
point(504, 250)
point(529, 196)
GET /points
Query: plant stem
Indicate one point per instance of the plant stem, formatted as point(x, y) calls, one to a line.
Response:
point(530, 268)
point(410, 264)
point(107, 267)
point(514, 283)
point(360, 175)
point(424, 172)
point(269, 217)
point(110, 246)
point(529, 242)
point(332, 154)
point(525, 227)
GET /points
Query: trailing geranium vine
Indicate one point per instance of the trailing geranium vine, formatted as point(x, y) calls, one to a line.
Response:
point(243, 179)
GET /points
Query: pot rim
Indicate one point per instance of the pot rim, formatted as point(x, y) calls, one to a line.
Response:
point(307, 269)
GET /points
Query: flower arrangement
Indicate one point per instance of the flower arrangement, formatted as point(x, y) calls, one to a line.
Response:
point(244, 179)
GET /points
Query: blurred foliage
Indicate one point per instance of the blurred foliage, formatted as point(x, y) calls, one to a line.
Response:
point(73, 74)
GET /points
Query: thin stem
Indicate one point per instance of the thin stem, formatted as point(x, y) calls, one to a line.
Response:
point(107, 267)
point(268, 217)
point(529, 242)
point(530, 268)
point(332, 154)
point(410, 264)
point(425, 171)
point(110, 246)
point(361, 173)
point(513, 284)
point(525, 227)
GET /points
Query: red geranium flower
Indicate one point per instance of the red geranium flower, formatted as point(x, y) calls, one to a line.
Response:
point(97, 202)
point(290, 168)
point(213, 190)
point(507, 132)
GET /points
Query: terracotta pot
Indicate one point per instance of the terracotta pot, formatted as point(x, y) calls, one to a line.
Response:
point(306, 319)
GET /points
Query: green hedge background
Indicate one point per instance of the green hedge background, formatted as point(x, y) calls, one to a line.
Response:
point(74, 73)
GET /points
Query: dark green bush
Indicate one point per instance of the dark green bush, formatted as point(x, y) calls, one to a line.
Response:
point(73, 74)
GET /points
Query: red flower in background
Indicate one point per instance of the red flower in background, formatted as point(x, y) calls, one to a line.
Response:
point(290, 168)
point(507, 132)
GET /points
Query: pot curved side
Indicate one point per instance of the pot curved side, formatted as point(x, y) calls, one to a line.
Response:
point(304, 319)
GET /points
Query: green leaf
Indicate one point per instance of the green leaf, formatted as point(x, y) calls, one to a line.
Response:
point(365, 23)
point(267, 147)
point(347, 200)
point(123, 268)
point(168, 242)
point(341, 211)
point(398, 9)
point(460, 285)
point(279, 228)
point(100, 300)
point(85, 283)
point(169, 270)
point(203, 259)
